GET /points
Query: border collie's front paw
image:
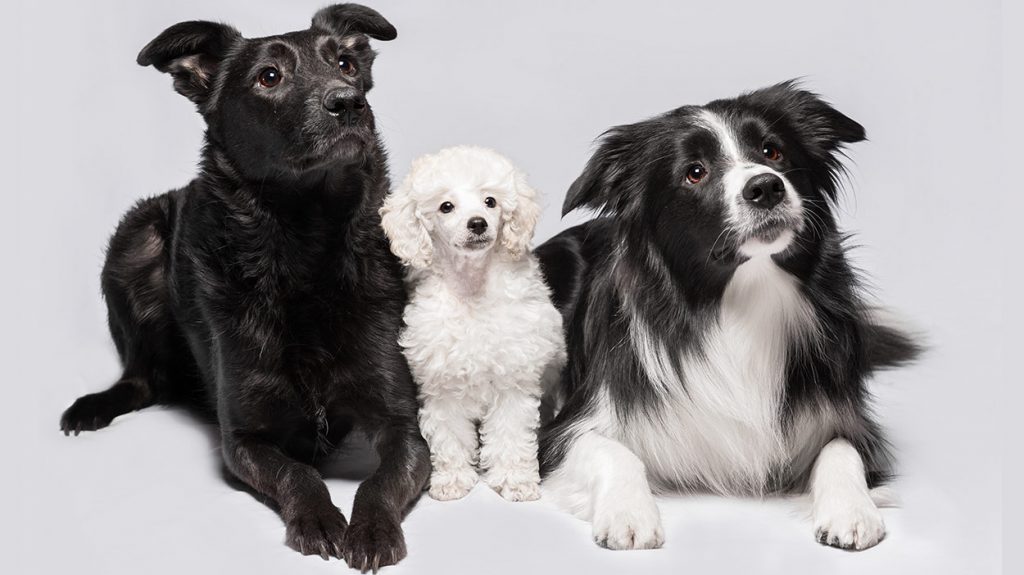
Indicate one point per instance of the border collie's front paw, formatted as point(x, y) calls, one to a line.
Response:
point(372, 545)
point(852, 524)
point(320, 532)
point(629, 523)
point(446, 486)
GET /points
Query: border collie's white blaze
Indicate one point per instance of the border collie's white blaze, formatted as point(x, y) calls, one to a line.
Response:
point(717, 338)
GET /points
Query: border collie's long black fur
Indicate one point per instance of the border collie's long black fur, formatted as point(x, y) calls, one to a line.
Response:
point(264, 291)
point(718, 337)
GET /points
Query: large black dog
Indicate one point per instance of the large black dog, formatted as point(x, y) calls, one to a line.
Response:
point(265, 290)
point(718, 337)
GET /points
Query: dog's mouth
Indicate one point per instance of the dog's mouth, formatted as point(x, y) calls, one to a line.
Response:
point(769, 232)
point(346, 143)
point(477, 243)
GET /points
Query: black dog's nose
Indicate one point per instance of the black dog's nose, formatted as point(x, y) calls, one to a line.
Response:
point(345, 103)
point(477, 225)
point(764, 191)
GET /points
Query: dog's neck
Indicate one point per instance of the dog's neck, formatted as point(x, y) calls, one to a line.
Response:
point(465, 274)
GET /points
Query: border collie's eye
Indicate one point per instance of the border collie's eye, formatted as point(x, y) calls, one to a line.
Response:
point(695, 173)
point(269, 77)
point(447, 207)
point(346, 66)
point(772, 152)
point(490, 202)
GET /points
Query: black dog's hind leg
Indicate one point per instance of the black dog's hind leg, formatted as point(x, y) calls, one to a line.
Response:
point(135, 287)
point(314, 525)
point(375, 538)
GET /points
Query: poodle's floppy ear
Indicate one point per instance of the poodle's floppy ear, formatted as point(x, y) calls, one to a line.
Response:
point(519, 216)
point(406, 228)
point(191, 52)
point(344, 19)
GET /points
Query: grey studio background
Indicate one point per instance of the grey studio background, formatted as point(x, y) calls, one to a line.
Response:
point(86, 132)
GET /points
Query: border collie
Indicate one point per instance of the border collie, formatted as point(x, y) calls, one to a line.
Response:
point(718, 338)
point(265, 290)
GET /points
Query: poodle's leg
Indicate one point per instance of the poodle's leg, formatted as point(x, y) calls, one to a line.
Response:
point(451, 434)
point(602, 481)
point(844, 514)
point(508, 450)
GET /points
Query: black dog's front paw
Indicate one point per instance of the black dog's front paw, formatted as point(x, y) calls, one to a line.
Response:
point(87, 413)
point(372, 545)
point(320, 532)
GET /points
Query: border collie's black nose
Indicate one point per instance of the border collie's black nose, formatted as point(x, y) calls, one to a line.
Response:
point(764, 191)
point(477, 225)
point(345, 103)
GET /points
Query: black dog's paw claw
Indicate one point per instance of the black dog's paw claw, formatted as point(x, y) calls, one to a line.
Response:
point(88, 413)
point(318, 533)
point(370, 546)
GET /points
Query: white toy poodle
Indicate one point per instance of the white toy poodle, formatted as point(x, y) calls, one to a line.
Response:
point(481, 331)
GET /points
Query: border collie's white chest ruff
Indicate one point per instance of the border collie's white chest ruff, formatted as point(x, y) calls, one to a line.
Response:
point(719, 428)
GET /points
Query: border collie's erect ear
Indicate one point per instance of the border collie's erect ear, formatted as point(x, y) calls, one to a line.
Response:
point(820, 123)
point(344, 19)
point(607, 170)
point(191, 53)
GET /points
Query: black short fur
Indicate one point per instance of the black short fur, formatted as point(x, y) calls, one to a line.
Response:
point(668, 249)
point(264, 292)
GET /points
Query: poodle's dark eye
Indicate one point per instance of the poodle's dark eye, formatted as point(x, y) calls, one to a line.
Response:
point(447, 207)
point(695, 173)
point(269, 77)
point(490, 202)
point(346, 66)
point(772, 152)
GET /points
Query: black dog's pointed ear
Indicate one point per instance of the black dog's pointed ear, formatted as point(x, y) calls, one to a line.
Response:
point(191, 53)
point(605, 171)
point(344, 19)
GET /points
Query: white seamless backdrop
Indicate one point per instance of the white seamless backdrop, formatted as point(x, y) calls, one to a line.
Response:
point(86, 132)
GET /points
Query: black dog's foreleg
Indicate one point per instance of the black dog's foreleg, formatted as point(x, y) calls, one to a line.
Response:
point(97, 410)
point(314, 525)
point(375, 539)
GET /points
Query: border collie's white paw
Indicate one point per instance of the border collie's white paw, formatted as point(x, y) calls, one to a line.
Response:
point(629, 523)
point(519, 490)
point(446, 486)
point(848, 523)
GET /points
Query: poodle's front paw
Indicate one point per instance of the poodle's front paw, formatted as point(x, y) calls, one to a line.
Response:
point(629, 523)
point(851, 522)
point(449, 485)
point(519, 490)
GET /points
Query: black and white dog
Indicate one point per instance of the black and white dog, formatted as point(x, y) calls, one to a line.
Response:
point(718, 338)
point(264, 291)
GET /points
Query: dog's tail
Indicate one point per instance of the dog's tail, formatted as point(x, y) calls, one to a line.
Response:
point(887, 342)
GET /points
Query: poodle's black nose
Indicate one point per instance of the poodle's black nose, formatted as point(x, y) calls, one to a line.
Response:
point(477, 225)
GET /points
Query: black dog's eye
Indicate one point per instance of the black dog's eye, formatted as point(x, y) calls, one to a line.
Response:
point(346, 65)
point(490, 202)
point(695, 173)
point(772, 152)
point(269, 77)
point(447, 207)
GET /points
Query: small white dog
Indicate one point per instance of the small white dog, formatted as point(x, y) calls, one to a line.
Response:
point(481, 331)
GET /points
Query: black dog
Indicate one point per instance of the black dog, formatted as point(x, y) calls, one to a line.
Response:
point(718, 338)
point(265, 290)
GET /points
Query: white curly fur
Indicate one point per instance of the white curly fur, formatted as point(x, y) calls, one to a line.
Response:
point(481, 330)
